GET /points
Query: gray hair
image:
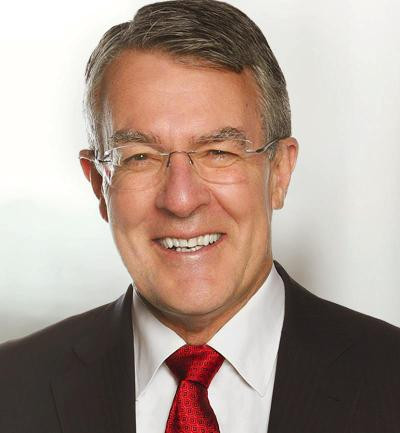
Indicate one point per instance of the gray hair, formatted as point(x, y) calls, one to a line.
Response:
point(212, 32)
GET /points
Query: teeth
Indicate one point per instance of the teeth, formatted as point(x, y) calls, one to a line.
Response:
point(192, 244)
point(189, 249)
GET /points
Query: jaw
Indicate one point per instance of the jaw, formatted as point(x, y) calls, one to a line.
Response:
point(195, 283)
point(197, 313)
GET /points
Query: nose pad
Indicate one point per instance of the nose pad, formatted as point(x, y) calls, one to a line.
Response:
point(179, 151)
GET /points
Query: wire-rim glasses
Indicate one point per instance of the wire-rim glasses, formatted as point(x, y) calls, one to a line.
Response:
point(139, 166)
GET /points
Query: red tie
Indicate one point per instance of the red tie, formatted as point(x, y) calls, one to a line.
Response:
point(195, 367)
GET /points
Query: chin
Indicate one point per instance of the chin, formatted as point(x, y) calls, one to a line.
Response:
point(197, 311)
point(195, 301)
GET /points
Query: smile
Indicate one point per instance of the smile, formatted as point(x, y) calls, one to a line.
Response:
point(189, 245)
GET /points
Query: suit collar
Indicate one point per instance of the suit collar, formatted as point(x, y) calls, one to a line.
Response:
point(303, 311)
point(311, 360)
point(110, 327)
point(95, 390)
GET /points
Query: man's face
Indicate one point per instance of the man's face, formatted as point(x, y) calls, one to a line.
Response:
point(154, 94)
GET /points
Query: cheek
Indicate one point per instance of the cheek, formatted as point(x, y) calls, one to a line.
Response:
point(127, 209)
point(245, 202)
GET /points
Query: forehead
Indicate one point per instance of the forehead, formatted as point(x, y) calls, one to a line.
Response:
point(156, 93)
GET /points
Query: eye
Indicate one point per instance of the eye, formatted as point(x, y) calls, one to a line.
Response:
point(215, 157)
point(219, 152)
point(137, 157)
point(140, 161)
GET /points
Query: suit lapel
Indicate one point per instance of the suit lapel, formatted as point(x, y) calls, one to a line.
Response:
point(94, 390)
point(313, 390)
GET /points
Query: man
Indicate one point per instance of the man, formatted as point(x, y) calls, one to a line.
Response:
point(191, 151)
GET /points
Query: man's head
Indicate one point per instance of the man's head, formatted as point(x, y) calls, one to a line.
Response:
point(179, 72)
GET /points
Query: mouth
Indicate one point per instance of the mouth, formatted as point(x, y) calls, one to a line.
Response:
point(190, 245)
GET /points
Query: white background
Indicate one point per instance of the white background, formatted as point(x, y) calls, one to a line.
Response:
point(339, 232)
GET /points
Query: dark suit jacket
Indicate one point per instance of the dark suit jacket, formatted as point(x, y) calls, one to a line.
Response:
point(338, 371)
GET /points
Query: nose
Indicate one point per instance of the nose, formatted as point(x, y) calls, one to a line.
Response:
point(182, 191)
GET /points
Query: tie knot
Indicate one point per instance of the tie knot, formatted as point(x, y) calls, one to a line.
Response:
point(195, 363)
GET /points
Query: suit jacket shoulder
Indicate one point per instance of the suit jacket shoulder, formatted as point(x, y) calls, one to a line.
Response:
point(343, 366)
point(52, 380)
point(41, 351)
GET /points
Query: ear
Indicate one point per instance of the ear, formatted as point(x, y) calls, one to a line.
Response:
point(94, 177)
point(282, 166)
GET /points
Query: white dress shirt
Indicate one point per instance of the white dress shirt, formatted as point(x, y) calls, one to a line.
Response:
point(241, 391)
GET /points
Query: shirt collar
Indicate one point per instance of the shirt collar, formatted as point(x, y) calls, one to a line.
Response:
point(249, 340)
point(153, 342)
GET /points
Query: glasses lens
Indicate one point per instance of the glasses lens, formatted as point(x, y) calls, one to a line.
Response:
point(222, 162)
point(132, 167)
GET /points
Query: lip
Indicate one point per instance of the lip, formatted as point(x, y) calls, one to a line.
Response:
point(171, 253)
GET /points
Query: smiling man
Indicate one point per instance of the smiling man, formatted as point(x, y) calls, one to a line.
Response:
point(190, 153)
point(179, 132)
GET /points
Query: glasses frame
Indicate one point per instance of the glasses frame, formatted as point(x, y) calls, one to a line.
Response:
point(94, 157)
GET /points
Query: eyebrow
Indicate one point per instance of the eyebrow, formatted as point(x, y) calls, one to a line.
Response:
point(226, 133)
point(124, 136)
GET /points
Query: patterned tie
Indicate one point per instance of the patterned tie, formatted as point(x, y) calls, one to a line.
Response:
point(195, 367)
